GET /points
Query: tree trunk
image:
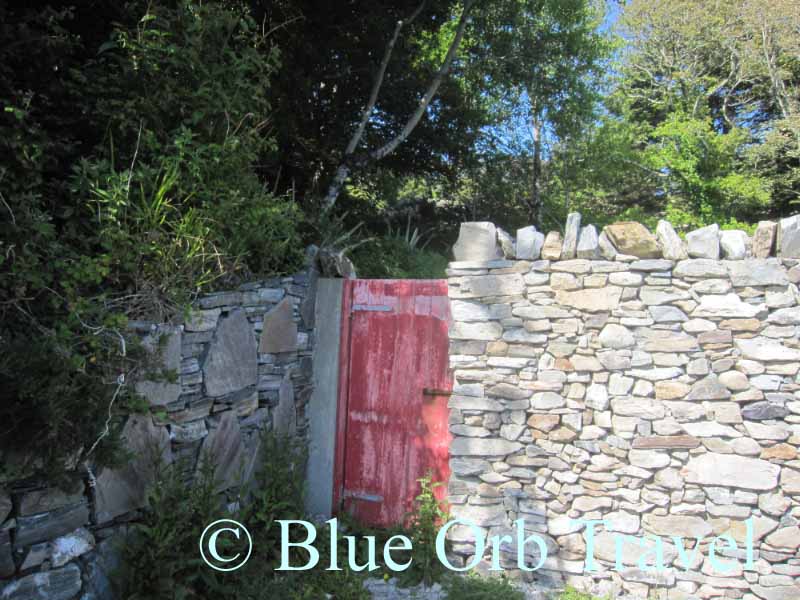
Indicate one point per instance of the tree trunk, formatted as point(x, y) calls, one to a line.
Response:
point(346, 167)
point(536, 193)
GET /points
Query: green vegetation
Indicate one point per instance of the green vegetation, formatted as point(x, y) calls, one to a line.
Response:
point(153, 151)
point(472, 587)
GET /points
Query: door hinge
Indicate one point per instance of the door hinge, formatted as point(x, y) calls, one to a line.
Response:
point(370, 308)
point(363, 496)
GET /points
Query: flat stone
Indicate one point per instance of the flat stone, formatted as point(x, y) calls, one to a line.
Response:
point(667, 442)
point(232, 360)
point(160, 382)
point(700, 268)
point(762, 526)
point(657, 374)
point(626, 279)
point(790, 481)
point(284, 418)
point(56, 584)
point(467, 446)
point(462, 310)
point(633, 239)
point(779, 451)
point(597, 397)
point(671, 244)
point(764, 239)
point(203, 320)
point(766, 382)
point(7, 565)
point(785, 316)
point(633, 549)
point(591, 300)
point(704, 242)
point(474, 403)
point(654, 296)
point(123, 490)
point(223, 446)
point(522, 336)
point(588, 243)
point(508, 391)
point(616, 336)
point(547, 401)
point(47, 526)
point(552, 246)
point(732, 471)
point(5, 505)
point(543, 422)
point(680, 525)
point(671, 390)
point(759, 431)
point(578, 266)
point(709, 388)
point(619, 385)
point(781, 592)
point(481, 286)
point(763, 349)
point(712, 286)
point(488, 331)
point(71, 546)
point(764, 411)
point(789, 237)
point(734, 244)
point(39, 501)
point(477, 241)
point(756, 272)
point(715, 337)
point(726, 306)
point(585, 363)
point(571, 232)
point(669, 478)
point(707, 429)
point(645, 408)
point(279, 333)
point(529, 243)
point(607, 249)
point(507, 244)
point(667, 314)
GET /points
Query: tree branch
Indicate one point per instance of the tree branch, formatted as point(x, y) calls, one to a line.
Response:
point(444, 69)
point(344, 170)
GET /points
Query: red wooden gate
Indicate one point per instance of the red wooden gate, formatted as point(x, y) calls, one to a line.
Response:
point(394, 384)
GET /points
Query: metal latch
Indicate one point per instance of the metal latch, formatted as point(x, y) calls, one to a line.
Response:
point(436, 392)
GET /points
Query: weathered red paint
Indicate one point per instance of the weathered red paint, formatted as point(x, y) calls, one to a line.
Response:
point(391, 433)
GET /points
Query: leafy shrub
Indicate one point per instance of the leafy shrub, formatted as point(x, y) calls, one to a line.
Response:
point(570, 593)
point(161, 558)
point(423, 528)
point(129, 182)
point(393, 258)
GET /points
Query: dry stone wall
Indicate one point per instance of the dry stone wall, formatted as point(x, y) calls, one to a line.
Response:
point(242, 364)
point(639, 379)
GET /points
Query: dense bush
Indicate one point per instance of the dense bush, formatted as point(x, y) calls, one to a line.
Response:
point(130, 140)
point(161, 558)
